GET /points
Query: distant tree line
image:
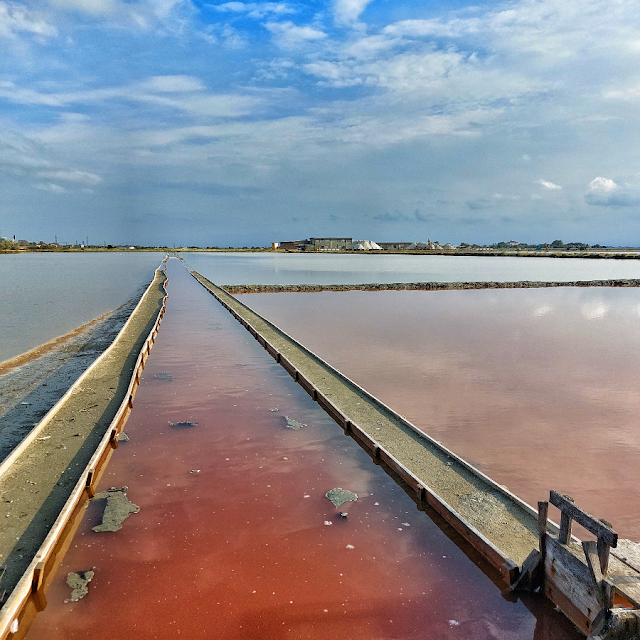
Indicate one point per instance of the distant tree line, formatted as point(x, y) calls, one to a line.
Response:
point(556, 244)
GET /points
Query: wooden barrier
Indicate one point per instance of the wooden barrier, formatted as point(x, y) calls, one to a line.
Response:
point(577, 574)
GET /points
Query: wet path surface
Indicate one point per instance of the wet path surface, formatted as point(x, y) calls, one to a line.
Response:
point(231, 540)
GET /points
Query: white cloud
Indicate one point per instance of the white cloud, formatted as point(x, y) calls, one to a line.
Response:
point(18, 95)
point(288, 35)
point(348, 11)
point(16, 18)
point(423, 28)
point(548, 185)
point(186, 93)
point(602, 185)
point(172, 84)
point(50, 186)
point(233, 39)
point(255, 9)
point(604, 192)
point(73, 175)
point(92, 7)
point(370, 47)
point(161, 16)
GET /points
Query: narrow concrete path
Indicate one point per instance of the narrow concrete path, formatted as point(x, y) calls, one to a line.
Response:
point(35, 486)
point(501, 518)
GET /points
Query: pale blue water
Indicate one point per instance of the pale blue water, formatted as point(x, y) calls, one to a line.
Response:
point(44, 295)
point(292, 268)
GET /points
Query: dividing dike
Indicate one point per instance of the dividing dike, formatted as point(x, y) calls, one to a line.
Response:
point(47, 481)
point(596, 588)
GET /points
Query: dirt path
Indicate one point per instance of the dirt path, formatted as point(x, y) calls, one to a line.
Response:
point(37, 485)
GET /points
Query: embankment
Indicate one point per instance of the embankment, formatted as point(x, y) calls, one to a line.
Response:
point(420, 286)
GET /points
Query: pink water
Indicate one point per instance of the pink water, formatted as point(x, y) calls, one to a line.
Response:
point(538, 388)
point(241, 549)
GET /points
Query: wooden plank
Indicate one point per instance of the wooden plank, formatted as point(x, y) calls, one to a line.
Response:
point(593, 562)
point(89, 484)
point(565, 528)
point(603, 556)
point(589, 522)
point(543, 516)
point(529, 572)
point(569, 585)
point(289, 368)
point(305, 384)
point(332, 410)
point(605, 591)
point(39, 599)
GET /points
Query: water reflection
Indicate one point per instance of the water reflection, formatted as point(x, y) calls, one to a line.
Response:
point(538, 388)
point(231, 541)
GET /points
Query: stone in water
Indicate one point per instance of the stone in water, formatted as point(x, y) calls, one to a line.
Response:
point(294, 424)
point(339, 496)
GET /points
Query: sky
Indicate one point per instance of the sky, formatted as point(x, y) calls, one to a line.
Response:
point(243, 123)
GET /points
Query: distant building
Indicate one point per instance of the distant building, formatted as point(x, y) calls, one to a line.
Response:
point(291, 245)
point(315, 244)
point(329, 244)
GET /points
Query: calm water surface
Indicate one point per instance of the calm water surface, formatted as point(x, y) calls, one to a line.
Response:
point(537, 388)
point(241, 549)
point(44, 295)
point(292, 268)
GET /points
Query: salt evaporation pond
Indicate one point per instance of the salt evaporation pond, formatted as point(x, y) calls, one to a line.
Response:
point(45, 295)
point(538, 388)
point(324, 268)
point(239, 548)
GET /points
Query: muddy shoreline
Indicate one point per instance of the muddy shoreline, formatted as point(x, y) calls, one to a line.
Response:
point(422, 286)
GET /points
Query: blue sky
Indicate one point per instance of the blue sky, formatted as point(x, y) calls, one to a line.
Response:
point(241, 123)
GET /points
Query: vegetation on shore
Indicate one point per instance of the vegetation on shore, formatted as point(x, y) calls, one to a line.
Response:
point(556, 249)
